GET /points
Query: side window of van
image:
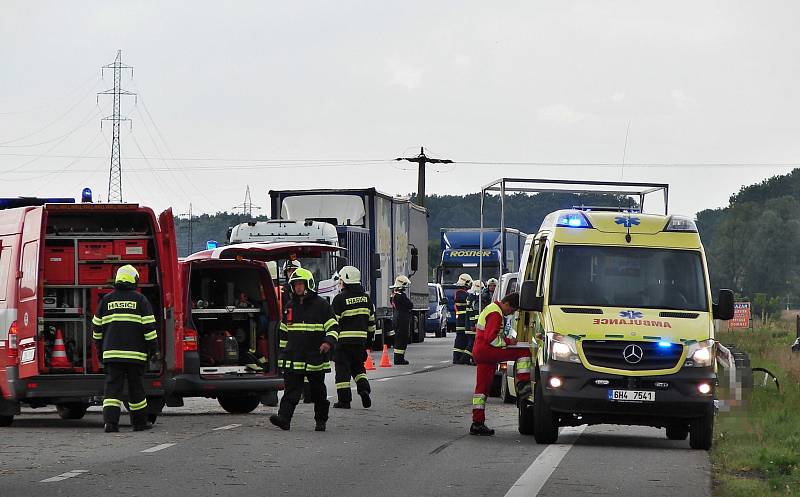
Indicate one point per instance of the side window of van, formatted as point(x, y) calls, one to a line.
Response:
point(540, 268)
point(5, 267)
point(30, 270)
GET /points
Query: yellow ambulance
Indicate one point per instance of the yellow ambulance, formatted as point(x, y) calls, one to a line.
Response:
point(619, 315)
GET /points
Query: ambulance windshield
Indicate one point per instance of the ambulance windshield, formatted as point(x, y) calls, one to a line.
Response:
point(628, 277)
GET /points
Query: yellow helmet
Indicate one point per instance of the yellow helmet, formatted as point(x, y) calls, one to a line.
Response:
point(302, 274)
point(127, 274)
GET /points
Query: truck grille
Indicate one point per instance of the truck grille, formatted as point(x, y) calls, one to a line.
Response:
point(612, 354)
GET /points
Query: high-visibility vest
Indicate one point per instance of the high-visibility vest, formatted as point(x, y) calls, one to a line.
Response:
point(499, 341)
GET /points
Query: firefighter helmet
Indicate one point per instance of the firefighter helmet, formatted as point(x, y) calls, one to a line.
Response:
point(127, 274)
point(464, 280)
point(401, 282)
point(477, 285)
point(291, 264)
point(350, 275)
point(491, 281)
point(305, 275)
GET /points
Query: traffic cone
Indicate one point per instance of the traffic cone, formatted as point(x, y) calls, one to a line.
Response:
point(385, 357)
point(369, 365)
point(58, 359)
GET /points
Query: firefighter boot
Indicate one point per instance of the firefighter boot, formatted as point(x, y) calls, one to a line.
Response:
point(111, 428)
point(144, 427)
point(365, 400)
point(280, 421)
point(481, 430)
point(341, 405)
point(321, 414)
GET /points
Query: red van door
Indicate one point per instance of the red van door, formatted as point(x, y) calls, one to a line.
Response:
point(170, 285)
point(29, 310)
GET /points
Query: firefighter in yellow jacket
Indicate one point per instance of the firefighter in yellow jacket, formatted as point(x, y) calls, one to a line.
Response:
point(124, 329)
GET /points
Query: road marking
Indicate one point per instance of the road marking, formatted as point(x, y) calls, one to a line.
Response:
point(444, 362)
point(427, 367)
point(408, 373)
point(227, 427)
point(383, 379)
point(537, 474)
point(64, 476)
point(158, 447)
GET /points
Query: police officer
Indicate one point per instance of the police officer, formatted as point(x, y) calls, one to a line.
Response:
point(308, 333)
point(356, 315)
point(401, 318)
point(124, 329)
point(460, 305)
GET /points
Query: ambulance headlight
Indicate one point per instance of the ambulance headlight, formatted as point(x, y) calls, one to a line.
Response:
point(700, 354)
point(563, 348)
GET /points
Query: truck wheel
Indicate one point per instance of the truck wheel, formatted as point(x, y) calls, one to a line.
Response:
point(505, 393)
point(545, 426)
point(6, 420)
point(239, 404)
point(701, 431)
point(677, 432)
point(72, 410)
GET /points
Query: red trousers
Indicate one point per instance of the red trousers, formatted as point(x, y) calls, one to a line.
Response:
point(487, 358)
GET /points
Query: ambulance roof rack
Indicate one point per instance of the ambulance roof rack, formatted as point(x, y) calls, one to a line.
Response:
point(606, 208)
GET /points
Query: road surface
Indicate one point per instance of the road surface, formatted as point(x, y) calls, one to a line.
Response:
point(412, 442)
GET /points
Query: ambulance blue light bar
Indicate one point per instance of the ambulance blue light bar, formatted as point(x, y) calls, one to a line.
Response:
point(573, 220)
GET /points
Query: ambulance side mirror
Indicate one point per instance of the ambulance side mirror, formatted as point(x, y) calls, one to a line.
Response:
point(528, 300)
point(723, 309)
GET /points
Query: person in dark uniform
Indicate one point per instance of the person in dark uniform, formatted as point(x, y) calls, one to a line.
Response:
point(309, 331)
point(460, 307)
point(471, 320)
point(401, 318)
point(356, 315)
point(124, 329)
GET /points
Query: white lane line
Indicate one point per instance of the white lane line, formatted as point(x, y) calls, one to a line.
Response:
point(427, 367)
point(227, 427)
point(64, 476)
point(444, 362)
point(158, 447)
point(408, 373)
point(383, 379)
point(537, 474)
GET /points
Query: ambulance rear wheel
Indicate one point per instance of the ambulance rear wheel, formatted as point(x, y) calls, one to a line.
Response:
point(72, 410)
point(239, 404)
point(6, 420)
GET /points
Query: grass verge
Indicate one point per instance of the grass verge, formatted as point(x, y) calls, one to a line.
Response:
point(756, 448)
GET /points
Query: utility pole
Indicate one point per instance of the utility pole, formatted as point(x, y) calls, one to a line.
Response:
point(115, 170)
point(422, 160)
point(190, 240)
point(247, 207)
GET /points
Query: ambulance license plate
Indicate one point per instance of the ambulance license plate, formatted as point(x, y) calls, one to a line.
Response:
point(631, 395)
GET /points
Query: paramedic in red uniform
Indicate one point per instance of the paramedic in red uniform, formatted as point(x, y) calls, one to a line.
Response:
point(491, 347)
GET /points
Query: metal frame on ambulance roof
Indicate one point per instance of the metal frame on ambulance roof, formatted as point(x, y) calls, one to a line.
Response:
point(265, 251)
point(538, 185)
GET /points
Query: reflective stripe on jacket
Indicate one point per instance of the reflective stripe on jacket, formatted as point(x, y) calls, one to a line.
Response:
point(124, 326)
point(493, 335)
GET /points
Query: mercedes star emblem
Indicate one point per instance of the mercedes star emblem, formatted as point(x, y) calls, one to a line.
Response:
point(633, 354)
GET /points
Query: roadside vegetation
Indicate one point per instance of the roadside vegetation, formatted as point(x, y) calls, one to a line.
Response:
point(756, 448)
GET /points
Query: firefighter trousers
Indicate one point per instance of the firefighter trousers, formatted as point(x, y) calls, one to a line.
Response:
point(459, 345)
point(349, 361)
point(294, 388)
point(487, 358)
point(401, 338)
point(470, 342)
point(116, 373)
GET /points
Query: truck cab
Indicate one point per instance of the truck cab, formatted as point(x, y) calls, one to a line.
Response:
point(620, 318)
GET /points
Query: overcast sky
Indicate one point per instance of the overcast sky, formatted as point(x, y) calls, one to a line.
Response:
point(324, 93)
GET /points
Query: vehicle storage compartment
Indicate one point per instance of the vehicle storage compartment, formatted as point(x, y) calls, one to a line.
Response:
point(82, 252)
point(230, 318)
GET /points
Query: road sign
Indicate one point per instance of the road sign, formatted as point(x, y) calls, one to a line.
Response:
point(741, 315)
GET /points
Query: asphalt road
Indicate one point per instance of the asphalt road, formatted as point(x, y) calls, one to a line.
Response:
point(412, 442)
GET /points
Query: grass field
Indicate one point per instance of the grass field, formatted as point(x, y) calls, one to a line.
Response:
point(757, 446)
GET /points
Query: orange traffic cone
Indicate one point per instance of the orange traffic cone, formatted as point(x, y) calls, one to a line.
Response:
point(385, 357)
point(369, 365)
point(58, 359)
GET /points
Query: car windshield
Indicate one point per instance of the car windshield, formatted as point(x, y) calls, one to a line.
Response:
point(433, 294)
point(450, 274)
point(628, 277)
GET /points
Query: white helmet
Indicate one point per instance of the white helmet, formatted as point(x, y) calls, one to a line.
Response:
point(350, 275)
point(491, 281)
point(464, 280)
point(401, 282)
point(291, 264)
point(477, 285)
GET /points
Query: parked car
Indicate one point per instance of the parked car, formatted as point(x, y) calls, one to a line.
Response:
point(436, 318)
